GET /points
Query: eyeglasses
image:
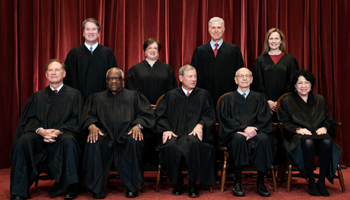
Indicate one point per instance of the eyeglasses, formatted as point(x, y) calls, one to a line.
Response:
point(244, 75)
point(114, 78)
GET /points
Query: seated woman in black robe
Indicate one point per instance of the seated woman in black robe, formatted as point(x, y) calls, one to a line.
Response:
point(152, 78)
point(309, 128)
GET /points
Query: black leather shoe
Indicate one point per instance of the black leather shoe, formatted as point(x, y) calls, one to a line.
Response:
point(322, 190)
point(15, 197)
point(130, 194)
point(193, 191)
point(238, 190)
point(72, 192)
point(263, 191)
point(313, 191)
point(96, 197)
point(179, 188)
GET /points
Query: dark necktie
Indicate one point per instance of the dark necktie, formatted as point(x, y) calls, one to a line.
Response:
point(114, 93)
point(216, 49)
point(55, 91)
point(91, 50)
point(188, 93)
point(244, 94)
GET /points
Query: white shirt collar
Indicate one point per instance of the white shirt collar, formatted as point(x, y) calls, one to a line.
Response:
point(246, 92)
point(185, 91)
point(93, 46)
point(58, 89)
point(212, 44)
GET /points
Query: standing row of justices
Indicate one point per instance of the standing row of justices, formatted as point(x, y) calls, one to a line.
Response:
point(216, 63)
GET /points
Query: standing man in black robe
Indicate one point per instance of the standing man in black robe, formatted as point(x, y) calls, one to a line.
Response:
point(115, 118)
point(217, 61)
point(88, 63)
point(246, 131)
point(45, 139)
point(184, 117)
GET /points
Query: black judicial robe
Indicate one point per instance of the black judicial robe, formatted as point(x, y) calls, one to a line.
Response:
point(87, 72)
point(115, 115)
point(314, 114)
point(216, 74)
point(153, 82)
point(272, 79)
point(180, 114)
point(47, 110)
point(236, 113)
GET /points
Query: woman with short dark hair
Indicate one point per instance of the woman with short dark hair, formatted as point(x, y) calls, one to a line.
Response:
point(309, 128)
point(151, 77)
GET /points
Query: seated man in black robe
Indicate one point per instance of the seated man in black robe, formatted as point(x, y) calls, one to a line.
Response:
point(184, 117)
point(115, 118)
point(45, 139)
point(246, 130)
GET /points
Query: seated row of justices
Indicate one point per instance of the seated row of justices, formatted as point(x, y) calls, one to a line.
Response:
point(46, 139)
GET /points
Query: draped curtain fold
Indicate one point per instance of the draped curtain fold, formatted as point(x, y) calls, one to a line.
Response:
point(34, 31)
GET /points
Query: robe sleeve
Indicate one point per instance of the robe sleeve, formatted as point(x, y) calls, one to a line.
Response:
point(263, 119)
point(207, 119)
point(71, 70)
point(228, 122)
point(293, 67)
point(196, 61)
point(258, 81)
point(328, 122)
point(111, 60)
point(89, 114)
point(144, 113)
point(28, 121)
point(131, 80)
point(285, 116)
point(162, 123)
point(72, 124)
point(173, 82)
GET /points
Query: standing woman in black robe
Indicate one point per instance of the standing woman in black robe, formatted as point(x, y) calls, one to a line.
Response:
point(308, 127)
point(152, 78)
point(273, 68)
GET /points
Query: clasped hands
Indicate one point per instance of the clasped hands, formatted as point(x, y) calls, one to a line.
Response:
point(304, 131)
point(197, 131)
point(49, 135)
point(249, 132)
point(95, 131)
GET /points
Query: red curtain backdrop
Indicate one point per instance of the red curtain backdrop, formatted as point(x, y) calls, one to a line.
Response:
point(34, 31)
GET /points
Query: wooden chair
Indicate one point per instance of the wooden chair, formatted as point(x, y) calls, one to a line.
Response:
point(43, 177)
point(290, 166)
point(160, 171)
point(226, 155)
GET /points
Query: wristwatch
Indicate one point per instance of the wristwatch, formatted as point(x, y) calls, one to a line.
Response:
point(140, 126)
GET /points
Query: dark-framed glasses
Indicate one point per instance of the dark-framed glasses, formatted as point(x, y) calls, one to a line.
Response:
point(114, 78)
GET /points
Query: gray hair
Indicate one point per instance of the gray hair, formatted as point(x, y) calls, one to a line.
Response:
point(215, 19)
point(244, 68)
point(185, 68)
point(115, 68)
